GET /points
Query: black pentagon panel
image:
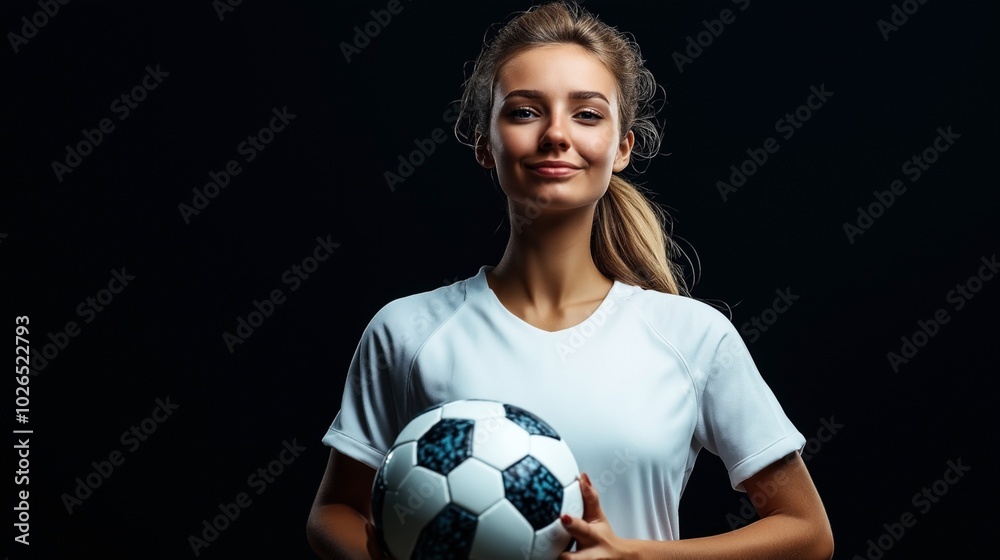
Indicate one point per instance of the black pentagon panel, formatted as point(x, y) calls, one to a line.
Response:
point(448, 536)
point(446, 445)
point(529, 422)
point(534, 491)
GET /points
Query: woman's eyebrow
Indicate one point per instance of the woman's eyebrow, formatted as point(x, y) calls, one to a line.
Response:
point(535, 94)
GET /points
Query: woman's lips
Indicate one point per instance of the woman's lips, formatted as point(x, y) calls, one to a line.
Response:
point(553, 168)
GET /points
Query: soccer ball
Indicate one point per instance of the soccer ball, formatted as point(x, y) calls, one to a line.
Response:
point(476, 479)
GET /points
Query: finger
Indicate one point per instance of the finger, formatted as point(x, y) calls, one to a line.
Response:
point(578, 529)
point(592, 510)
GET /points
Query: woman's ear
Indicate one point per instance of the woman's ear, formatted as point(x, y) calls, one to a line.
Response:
point(624, 154)
point(483, 155)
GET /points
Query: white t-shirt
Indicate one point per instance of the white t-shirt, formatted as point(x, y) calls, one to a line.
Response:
point(636, 390)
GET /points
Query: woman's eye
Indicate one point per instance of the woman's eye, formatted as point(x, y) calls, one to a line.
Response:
point(522, 113)
point(590, 116)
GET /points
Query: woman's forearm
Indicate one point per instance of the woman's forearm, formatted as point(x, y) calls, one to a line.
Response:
point(777, 536)
point(337, 532)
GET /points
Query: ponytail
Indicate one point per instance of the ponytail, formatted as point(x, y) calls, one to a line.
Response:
point(630, 242)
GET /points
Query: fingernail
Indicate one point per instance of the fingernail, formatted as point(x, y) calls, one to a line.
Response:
point(586, 479)
point(565, 518)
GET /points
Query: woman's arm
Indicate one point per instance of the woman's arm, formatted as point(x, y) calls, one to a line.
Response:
point(792, 525)
point(338, 521)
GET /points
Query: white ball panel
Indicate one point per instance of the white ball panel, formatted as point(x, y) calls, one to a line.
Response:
point(502, 533)
point(499, 442)
point(550, 541)
point(556, 456)
point(472, 410)
point(418, 426)
point(398, 463)
point(421, 496)
point(400, 535)
point(475, 486)
point(572, 500)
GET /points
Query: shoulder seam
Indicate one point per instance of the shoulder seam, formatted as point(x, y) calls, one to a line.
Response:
point(678, 353)
point(416, 352)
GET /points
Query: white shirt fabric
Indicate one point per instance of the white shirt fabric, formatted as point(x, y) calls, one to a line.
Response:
point(636, 390)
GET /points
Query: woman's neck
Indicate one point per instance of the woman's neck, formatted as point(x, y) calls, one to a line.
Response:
point(548, 263)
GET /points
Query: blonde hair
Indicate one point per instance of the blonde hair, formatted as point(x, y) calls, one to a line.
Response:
point(631, 241)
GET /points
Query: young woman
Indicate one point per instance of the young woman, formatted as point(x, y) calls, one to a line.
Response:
point(583, 322)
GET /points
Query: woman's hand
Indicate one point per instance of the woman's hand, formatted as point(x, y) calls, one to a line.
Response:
point(593, 534)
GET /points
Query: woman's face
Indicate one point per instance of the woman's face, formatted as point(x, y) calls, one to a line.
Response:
point(554, 135)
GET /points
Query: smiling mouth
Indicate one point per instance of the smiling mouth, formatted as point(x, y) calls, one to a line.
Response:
point(549, 171)
point(553, 169)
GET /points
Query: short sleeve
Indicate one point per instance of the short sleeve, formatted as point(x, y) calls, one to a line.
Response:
point(367, 423)
point(375, 408)
point(740, 419)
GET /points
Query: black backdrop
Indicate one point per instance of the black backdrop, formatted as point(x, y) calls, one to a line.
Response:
point(167, 281)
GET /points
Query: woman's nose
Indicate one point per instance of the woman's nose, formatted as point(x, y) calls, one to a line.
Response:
point(555, 134)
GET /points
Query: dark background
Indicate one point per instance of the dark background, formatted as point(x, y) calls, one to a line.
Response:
point(162, 336)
